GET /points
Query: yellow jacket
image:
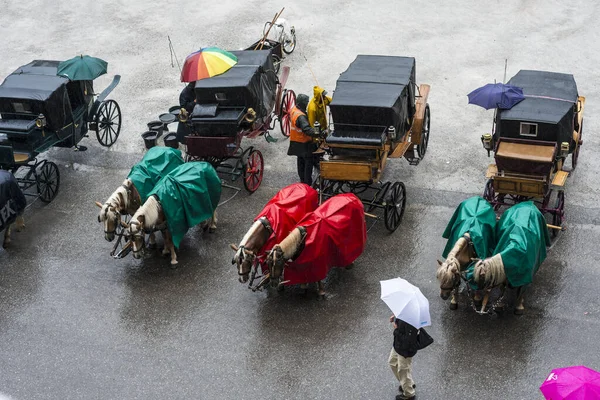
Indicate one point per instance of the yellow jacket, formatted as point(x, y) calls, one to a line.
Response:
point(317, 110)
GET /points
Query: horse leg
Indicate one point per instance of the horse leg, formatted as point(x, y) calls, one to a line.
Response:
point(6, 237)
point(151, 241)
point(171, 247)
point(213, 223)
point(166, 247)
point(519, 304)
point(454, 299)
point(477, 299)
point(321, 290)
point(20, 223)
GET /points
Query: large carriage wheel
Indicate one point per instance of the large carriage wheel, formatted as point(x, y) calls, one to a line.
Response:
point(559, 213)
point(108, 123)
point(288, 101)
point(253, 171)
point(394, 207)
point(575, 154)
point(289, 44)
point(422, 146)
point(47, 180)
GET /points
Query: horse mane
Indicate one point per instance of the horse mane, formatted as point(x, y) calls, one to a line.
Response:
point(151, 210)
point(117, 199)
point(291, 244)
point(493, 272)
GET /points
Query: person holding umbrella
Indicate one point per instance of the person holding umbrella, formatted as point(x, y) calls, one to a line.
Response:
point(410, 314)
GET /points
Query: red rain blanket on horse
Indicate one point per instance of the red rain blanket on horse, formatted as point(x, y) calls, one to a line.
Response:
point(336, 234)
point(285, 209)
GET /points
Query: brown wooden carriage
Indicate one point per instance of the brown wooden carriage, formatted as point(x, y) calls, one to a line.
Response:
point(379, 113)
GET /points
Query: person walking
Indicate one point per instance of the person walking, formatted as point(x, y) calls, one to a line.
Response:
point(301, 139)
point(400, 360)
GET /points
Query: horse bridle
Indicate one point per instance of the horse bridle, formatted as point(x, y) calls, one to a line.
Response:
point(246, 253)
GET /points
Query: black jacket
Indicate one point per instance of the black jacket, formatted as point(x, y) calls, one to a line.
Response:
point(187, 97)
point(405, 339)
point(303, 149)
point(12, 199)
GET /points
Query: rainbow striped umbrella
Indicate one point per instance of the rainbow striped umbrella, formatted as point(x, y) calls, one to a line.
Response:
point(206, 63)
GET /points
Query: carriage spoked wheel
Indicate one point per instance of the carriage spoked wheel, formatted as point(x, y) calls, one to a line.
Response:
point(289, 44)
point(394, 206)
point(108, 123)
point(422, 146)
point(47, 179)
point(559, 213)
point(575, 154)
point(276, 62)
point(253, 171)
point(489, 193)
point(288, 101)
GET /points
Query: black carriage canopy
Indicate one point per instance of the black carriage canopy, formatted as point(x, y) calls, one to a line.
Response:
point(250, 83)
point(35, 89)
point(376, 91)
point(547, 111)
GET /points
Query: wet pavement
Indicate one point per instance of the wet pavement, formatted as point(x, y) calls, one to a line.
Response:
point(75, 323)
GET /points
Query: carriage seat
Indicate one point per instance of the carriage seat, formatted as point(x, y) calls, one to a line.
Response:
point(357, 138)
point(9, 158)
point(205, 110)
point(17, 125)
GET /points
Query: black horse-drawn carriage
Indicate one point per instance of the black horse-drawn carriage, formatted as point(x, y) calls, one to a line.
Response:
point(39, 110)
point(242, 102)
point(378, 113)
point(531, 142)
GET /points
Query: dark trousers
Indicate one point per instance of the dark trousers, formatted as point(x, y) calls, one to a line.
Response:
point(305, 169)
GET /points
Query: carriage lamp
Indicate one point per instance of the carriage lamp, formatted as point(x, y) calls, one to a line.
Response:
point(391, 132)
point(564, 149)
point(183, 115)
point(486, 139)
point(40, 121)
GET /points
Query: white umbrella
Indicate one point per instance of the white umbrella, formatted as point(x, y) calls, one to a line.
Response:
point(406, 302)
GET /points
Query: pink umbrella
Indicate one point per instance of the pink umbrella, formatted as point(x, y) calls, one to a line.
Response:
point(572, 383)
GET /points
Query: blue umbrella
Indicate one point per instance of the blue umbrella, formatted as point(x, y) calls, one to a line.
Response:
point(496, 95)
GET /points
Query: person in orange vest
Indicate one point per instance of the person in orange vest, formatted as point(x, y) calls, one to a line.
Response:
point(301, 139)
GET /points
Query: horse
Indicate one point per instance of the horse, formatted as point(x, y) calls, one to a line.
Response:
point(470, 233)
point(522, 240)
point(276, 220)
point(12, 206)
point(127, 198)
point(186, 197)
point(334, 235)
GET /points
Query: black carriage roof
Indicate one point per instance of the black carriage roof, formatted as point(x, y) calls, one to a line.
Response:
point(241, 74)
point(548, 96)
point(34, 81)
point(374, 81)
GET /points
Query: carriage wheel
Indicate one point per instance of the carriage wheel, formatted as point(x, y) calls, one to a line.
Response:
point(108, 123)
point(253, 171)
point(422, 146)
point(488, 192)
point(47, 181)
point(575, 154)
point(276, 62)
point(288, 102)
point(559, 213)
point(289, 45)
point(394, 207)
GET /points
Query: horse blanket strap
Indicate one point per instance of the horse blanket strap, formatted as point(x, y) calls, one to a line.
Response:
point(266, 224)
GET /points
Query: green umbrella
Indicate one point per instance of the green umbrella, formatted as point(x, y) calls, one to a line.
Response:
point(82, 68)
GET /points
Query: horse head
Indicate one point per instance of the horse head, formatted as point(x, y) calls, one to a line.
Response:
point(275, 261)
point(244, 259)
point(136, 232)
point(109, 216)
point(449, 276)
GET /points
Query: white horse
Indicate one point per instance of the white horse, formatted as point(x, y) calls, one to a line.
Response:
point(150, 218)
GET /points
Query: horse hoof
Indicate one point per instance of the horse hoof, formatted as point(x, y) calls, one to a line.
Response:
point(204, 228)
point(174, 263)
point(280, 288)
point(499, 310)
point(519, 311)
point(453, 306)
point(212, 230)
point(349, 266)
point(323, 296)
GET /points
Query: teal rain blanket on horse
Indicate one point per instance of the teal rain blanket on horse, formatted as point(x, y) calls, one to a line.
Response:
point(522, 240)
point(157, 162)
point(188, 195)
point(476, 217)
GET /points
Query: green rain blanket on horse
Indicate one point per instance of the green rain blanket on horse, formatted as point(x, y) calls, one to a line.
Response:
point(476, 217)
point(188, 195)
point(157, 162)
point(522, 240)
